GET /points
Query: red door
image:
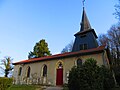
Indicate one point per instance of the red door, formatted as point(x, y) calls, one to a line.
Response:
point(59, 78)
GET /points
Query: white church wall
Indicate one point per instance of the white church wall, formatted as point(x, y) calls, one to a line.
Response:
point(36, 69)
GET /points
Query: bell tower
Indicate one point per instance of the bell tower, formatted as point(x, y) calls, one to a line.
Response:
point(86, 37)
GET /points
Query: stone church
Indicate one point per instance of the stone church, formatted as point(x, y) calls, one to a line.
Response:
point(54, 70)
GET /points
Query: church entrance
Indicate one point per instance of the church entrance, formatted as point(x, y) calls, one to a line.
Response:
point(59, 74)
point(59, 80)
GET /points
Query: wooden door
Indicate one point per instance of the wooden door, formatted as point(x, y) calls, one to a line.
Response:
point(59, 77)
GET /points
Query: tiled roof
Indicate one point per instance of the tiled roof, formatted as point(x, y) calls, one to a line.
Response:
point(68, 54)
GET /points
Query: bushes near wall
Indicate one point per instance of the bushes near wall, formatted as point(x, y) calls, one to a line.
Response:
point(108, 80)
point(116, 70)
point(5, 83)
point(90, 76)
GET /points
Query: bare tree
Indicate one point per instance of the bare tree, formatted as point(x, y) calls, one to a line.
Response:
point(112, 40)
point(117, 10)
point(6, 65)
point(68, 48)
point(103, 40)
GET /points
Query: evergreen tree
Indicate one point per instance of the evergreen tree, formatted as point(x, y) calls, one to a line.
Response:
point(40, 49)
point(90, 76)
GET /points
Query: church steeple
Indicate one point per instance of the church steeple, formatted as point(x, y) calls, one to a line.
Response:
point(85, 24)
point(86, 37)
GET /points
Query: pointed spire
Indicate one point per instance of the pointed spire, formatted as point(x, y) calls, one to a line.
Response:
point(85, 25)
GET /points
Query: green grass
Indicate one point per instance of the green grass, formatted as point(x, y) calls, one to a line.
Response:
point(23, 87)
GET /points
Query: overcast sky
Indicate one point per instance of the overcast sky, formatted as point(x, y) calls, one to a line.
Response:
point(25, 22)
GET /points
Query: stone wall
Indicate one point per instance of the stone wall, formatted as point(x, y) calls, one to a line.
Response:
point(36, 72)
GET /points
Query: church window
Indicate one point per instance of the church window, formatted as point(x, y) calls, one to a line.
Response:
point(60, 65)
point(28, 72)
point(83, 46)
point(79, 62)
point(20, 71)
point(45, 70)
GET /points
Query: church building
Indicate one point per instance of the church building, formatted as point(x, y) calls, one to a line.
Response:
point(54, 70)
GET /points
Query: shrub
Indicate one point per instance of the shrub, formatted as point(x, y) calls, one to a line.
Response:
point(108, 78)
point(117, 76)
point(90, 76)
point(5, 83)
point(74, 79)
point(116, 70)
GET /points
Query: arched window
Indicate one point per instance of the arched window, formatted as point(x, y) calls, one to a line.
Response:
point(45, 71)
point(28, 72)
point(20, 71)
point(60, 65)
point(79, 62)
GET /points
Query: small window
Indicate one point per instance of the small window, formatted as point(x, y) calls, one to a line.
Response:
point(45, 71)
point(79, 62)
point(20, 71)
point(60, 65)
point(83, 46)
point(28, 72)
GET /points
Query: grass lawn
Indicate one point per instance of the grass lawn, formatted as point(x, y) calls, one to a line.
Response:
point(23, 87)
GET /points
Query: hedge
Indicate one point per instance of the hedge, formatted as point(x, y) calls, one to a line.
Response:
point(5, 83)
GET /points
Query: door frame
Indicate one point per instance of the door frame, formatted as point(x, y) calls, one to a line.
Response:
point(59, 66)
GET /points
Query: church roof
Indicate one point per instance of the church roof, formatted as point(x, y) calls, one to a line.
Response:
point(85, 24)
point(68, 54)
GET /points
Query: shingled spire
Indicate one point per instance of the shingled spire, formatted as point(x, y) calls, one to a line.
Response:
point(85, 25)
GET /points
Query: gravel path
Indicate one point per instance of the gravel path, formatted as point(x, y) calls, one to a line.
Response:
point(53, 88)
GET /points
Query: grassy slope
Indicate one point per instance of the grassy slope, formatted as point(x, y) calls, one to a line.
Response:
point(22, 87)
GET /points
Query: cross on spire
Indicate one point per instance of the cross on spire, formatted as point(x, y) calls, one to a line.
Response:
point(83, 2)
